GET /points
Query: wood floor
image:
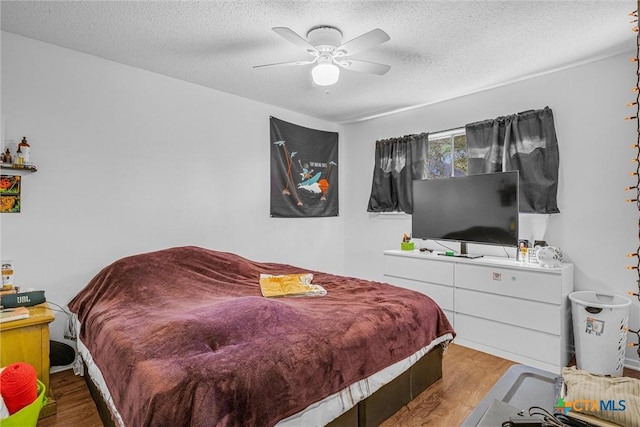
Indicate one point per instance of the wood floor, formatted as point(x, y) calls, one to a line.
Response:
point(467, 376)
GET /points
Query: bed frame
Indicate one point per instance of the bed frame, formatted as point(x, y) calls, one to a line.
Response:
point(370, 412)
point(388, 400)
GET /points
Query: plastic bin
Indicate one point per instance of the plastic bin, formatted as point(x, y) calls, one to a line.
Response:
point(27, 416)
point(600, 331)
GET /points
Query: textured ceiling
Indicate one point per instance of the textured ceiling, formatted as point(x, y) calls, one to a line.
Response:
point(438, 49)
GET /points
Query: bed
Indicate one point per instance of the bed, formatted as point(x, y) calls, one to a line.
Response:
point(183, 336)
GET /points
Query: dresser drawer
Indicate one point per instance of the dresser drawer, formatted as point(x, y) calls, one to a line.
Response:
point(424, 270)
point(534, 285)
point(513, 339)
point(519, 312)
point(443, 295)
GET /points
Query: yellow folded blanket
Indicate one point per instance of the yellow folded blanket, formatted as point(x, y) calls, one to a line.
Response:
point(289, 285)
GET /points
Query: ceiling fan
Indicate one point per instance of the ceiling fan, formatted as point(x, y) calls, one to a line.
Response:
point(330, 53)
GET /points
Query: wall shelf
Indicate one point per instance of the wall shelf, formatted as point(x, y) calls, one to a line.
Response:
point(28, 168)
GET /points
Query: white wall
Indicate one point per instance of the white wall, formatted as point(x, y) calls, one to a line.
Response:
point(131, 161)
point(596, 227)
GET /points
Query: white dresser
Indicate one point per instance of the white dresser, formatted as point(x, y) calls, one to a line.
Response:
point(500, 306)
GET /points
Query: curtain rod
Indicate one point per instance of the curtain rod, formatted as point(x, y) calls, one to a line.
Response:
point(450, 130)
point(444, 131)
point(430, 133)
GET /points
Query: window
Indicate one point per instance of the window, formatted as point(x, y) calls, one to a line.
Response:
point(447, 155)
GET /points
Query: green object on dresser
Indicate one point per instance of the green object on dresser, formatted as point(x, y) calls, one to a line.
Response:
point(407, 246)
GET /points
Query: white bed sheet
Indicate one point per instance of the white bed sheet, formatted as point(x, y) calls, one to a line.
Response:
point(317, 414)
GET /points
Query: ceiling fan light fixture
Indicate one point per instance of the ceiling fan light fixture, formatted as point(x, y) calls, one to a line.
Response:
point(325, 74)
point(326, 45)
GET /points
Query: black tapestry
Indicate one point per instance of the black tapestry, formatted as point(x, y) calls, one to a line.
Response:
point(304, 172)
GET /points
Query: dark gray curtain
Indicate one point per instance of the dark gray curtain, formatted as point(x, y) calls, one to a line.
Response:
point(398, 162)
point(525, 142)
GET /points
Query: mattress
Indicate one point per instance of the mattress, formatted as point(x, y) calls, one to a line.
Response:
point(209, 349)
point(316, 414)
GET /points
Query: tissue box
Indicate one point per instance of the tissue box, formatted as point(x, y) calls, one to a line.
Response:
point(407, 246)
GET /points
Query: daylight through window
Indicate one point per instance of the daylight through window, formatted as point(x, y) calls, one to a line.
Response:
point(447, 155)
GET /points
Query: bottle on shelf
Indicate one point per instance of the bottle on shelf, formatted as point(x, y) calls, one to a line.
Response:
point(19, 157)
point(6, 157)
point(25, 149)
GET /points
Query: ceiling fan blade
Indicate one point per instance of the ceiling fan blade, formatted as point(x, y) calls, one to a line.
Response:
point(286, 63)
point(363, 42)
point(363, 66)
point(297, 40)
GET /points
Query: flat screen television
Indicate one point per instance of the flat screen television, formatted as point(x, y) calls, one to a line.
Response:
point(479, 208)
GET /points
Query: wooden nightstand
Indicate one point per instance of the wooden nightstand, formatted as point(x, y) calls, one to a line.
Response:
point(27, 340)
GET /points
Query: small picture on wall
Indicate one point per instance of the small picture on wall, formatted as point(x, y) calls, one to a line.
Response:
point(9, 193)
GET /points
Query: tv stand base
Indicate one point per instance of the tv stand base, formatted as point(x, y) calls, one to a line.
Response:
point(470, 256)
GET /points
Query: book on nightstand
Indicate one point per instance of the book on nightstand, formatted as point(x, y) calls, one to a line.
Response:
point(9, 314)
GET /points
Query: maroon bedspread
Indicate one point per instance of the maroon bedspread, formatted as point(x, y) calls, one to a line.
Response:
point(183, 337)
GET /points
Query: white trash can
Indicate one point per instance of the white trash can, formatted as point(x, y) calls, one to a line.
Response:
point(600, 331)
